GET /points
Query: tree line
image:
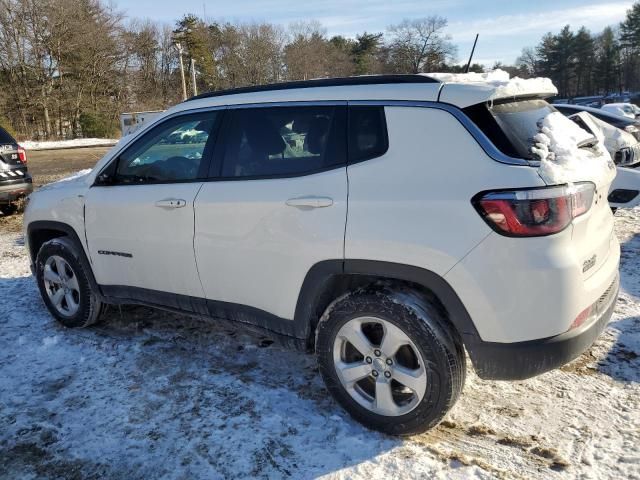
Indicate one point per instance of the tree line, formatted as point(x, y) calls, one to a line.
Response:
point(582, 63)
point(68, 68)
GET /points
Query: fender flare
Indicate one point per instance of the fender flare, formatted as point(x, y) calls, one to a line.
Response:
point(321, 273)
point(70, 232)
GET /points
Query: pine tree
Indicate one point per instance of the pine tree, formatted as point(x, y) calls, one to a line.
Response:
point(584, 52)
point(607, 66)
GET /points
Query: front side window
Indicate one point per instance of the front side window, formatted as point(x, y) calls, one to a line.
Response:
point(172, 152)
point(283, 141)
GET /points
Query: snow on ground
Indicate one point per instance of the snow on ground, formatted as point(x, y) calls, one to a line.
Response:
point(78, 142)
point(149, 394)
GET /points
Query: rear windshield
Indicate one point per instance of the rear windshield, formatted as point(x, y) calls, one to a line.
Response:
point(519, 122)
point(511, 125)
point(5, 137)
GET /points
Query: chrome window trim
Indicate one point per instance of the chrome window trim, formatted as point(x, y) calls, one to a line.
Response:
point(489, 148)
point(293, 103)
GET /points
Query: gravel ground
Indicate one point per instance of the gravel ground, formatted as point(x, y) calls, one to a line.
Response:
point(148, 394)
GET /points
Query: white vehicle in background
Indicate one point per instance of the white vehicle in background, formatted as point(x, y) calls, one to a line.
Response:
point(625, 152)
point(387, 223)
point(130, 122)
point(628, 110)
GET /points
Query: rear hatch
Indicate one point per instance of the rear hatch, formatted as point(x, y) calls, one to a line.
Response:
point(514, 125)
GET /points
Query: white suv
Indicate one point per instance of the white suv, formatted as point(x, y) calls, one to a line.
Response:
point(390, 223)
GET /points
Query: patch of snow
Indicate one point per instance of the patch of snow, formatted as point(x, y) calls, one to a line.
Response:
point(58, 144)
point(504, 85)
point(561, 159)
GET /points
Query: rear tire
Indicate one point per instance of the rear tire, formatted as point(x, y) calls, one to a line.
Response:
point(64, 284)
point(424, 375)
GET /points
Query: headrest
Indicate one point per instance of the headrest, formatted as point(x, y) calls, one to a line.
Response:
point(317, 137)
point(263, 137)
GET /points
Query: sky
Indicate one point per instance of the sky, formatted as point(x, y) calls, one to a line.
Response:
point(505, 26)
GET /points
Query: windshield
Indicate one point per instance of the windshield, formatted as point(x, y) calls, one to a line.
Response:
point(5, 137)
point(519, 122)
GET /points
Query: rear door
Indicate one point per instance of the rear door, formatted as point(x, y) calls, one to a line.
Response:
point(139, 216)
point(275, 206)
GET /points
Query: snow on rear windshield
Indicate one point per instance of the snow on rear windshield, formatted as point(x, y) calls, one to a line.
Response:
point(567, 153)
point(519, 122)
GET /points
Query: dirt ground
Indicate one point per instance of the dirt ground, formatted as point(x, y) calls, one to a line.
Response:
point(50, 165)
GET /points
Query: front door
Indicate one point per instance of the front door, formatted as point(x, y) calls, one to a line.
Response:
point(139, 217)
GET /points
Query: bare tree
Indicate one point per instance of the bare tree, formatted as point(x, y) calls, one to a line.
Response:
point(419, 45)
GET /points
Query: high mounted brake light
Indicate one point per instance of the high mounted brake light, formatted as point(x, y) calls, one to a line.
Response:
point(534, 212)
point(22, 154)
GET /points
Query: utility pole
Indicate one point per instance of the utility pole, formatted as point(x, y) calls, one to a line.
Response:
point(193, 77)
point(184, 83)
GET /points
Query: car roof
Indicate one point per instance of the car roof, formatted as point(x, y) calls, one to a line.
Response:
point(462, 91)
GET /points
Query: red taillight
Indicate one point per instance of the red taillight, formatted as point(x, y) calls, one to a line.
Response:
point(535, 212)
point(22, 155)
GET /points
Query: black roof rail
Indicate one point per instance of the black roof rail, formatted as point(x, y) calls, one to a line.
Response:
point(322, 82)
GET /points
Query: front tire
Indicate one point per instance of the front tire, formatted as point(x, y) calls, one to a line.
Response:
point(389, 357)
point(64, 284)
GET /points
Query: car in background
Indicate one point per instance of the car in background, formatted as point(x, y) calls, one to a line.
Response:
point(627, 124)
point(15, 181)
point(625, 151)
point(624, 109)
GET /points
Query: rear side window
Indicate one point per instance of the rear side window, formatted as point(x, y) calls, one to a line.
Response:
point(512, 125)
point(283, 141)
point(367, 133)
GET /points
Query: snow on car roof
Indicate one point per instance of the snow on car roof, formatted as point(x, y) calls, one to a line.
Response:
point(493, 85)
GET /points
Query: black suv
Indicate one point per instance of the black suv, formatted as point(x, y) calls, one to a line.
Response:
point(15, 181)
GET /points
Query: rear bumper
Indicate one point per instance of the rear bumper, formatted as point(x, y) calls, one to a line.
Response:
point(521, 360)
point(14, 191)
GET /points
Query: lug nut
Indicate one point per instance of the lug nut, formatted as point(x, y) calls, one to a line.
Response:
point(374, 373)
point(387, 374)
point(389, 361)
point(377, 353)
point(369, 360)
